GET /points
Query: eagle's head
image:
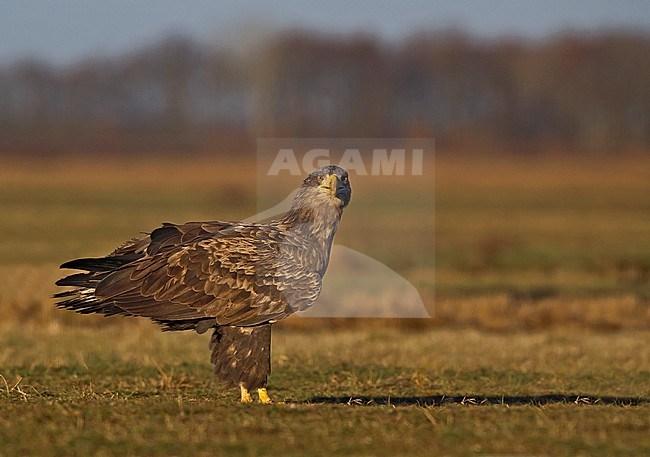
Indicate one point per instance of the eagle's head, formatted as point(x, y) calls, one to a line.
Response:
point(320, 200)
point(329, 184)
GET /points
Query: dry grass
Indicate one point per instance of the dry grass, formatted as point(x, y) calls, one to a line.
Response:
point(491, 311)
point(520, 242)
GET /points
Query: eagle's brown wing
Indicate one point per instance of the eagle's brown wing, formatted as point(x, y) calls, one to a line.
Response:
point(237, 274)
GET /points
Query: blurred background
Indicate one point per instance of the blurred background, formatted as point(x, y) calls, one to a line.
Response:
point(116, 116)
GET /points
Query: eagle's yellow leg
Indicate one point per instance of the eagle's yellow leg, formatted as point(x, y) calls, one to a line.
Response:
point(264, 396)
point(245, 395)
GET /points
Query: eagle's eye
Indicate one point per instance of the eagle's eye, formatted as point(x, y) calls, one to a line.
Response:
point(344, 179)
point(320, 178)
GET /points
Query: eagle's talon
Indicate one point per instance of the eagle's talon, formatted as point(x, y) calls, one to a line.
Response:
point(245, 395)
point(264, 396)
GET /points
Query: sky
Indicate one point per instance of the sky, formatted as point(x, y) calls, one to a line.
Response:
point(62, 32)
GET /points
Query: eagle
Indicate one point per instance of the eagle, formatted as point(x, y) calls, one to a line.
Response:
point(234, 277)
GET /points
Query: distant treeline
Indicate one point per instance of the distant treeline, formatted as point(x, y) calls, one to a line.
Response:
point(583, 92)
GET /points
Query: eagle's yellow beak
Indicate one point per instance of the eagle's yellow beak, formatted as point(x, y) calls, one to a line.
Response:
point(329, 184)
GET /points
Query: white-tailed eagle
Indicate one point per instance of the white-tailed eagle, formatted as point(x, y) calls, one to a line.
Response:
point(237, 278)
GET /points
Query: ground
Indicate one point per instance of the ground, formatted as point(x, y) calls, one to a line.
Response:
point(538, 281)
point(130, 390)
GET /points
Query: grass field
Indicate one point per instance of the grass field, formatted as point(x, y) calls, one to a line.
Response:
point(539, 287)
point(130, 390)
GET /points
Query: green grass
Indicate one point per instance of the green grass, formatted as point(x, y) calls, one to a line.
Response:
point(130, 390)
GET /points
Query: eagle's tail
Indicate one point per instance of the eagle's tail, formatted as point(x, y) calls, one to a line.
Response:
point(83, 299)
